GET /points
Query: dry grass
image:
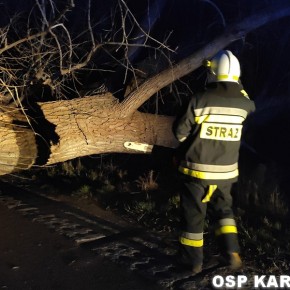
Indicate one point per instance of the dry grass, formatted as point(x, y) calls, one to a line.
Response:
point(147, 182)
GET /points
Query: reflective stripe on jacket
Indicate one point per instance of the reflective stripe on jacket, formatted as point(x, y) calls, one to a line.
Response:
point(210, 132)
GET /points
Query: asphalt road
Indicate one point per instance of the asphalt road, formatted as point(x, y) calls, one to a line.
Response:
point(34, 256)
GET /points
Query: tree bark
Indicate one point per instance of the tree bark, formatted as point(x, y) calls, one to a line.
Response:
point(18, 149)
point(80, 127)
point(92, 125)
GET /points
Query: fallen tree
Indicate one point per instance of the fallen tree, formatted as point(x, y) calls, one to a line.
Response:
point(102, 124)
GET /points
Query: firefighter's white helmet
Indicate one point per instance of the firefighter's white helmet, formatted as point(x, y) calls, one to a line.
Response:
point(224, 67)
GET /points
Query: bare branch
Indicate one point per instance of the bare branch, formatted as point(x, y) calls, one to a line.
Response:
point(218, 10)
point(18, 42)
point(90, 24)
point(162, 45)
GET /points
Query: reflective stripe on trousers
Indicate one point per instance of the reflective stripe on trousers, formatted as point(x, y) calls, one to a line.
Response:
point(191, 239)
point(226, 226)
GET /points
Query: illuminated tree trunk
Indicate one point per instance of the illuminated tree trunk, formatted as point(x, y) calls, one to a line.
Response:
point(92, 125)
point(18, 149)
point(80, 127)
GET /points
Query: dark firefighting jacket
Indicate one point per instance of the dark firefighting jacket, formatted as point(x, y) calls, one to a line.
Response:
point(210, 133)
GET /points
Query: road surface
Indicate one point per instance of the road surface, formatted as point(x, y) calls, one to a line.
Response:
point(35, 254)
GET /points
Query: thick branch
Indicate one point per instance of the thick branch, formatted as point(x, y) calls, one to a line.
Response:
point(166, 77)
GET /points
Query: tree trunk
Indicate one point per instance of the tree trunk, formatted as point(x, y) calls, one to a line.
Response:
point(18, 149)
point(81, 127)
point(92, 125)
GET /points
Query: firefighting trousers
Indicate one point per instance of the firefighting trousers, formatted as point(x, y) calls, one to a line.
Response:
point(194, 201)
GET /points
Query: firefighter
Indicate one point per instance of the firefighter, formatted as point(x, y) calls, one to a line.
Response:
point(210, 133)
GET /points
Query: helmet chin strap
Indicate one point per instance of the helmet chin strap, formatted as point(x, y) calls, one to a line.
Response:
point(211, 78)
